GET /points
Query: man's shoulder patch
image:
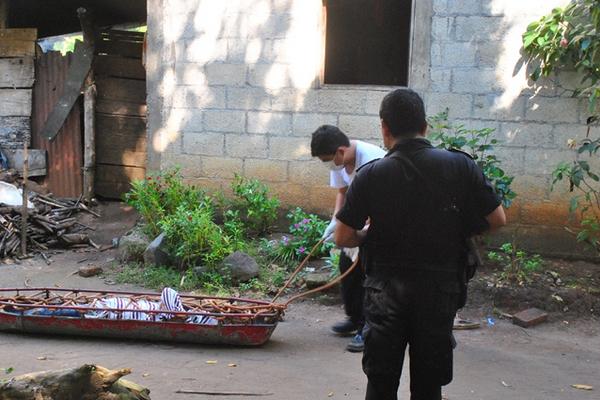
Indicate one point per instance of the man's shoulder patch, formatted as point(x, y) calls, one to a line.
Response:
point(461, 152)
point(367, 163)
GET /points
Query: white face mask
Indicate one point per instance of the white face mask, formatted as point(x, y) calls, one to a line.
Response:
point(331, 165)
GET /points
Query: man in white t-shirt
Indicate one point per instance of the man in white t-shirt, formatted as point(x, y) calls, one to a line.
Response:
point(344, 157)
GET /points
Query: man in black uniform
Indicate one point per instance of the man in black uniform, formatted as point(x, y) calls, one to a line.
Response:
point(423, 203)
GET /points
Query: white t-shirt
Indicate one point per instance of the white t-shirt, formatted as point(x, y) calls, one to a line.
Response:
point(365, 152)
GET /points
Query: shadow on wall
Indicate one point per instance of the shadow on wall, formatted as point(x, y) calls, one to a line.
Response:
point(234, 72)
point(540, 117)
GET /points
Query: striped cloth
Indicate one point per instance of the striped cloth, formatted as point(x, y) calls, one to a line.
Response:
point(169, 301)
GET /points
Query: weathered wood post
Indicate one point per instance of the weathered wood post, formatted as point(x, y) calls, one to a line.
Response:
point(89, 110)
point(3, 14)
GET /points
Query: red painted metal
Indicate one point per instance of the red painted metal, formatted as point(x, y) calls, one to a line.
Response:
point(253, 333)
point(65, 152)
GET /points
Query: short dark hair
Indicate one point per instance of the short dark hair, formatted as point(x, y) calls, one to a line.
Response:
point(326, 140)
point(403, 112)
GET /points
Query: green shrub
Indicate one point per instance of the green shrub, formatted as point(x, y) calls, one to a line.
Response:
point(479, 144)
point(194, 237)
point(257, 209)
point(306, 231)
point(517, 264)
point(160, 195)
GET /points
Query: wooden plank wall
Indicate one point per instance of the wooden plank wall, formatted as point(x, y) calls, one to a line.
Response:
point(120, 112)
point(17, 51)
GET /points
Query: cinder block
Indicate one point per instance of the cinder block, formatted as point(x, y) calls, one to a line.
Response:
point(564, 132)
point(360, 126)
point(203, 143)
point(544, 161)
point(513, 160)
point(531, 187)
point(440, 79)
point(553, 109)
point(459, 105)
point(266, 170)
point(491, 107)
point(440, 28)
point(295, 100)
point(269, 123)
point(199, 97)
point(347, 101)
point(475, 80)
point(225, 74)
point(309, 173)
point(270, 76)
point(545, 213)
point(221, 167)
point(187, 73)
point(286, 148)
point(305, 124)
point(374, 98)
point(248, 98)
point(458, 54)
point(530, 317)
point(201, 49)
point(224, 121)
point(190, 165)
point(462, 7)
point(528, 134)
point(242, 146)
point(475, 28)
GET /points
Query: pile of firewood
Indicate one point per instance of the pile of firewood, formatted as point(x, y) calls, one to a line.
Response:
point(50, 224)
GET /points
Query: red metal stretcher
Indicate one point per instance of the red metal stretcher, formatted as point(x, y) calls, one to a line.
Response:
point(241, 322)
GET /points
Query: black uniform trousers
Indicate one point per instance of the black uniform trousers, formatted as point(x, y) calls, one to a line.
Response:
point(417, 311)
point(352, 290)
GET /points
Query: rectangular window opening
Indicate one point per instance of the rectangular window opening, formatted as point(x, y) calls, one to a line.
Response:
point(367, 42)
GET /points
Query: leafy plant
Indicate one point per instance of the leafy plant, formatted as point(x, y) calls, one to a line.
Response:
point(568, 39)
point(160, 195)
point(9, 370)
point(585, 183)
point(518, 265)
point(479, 144)
point(258, 210)
point(194, 237)
point(305, 232)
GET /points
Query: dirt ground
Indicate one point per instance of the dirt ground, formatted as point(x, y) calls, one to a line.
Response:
point(303, 360)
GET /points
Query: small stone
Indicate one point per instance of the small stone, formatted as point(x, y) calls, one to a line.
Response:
point(530, 317)
point(155, 253)
point(90, 270)
point(316, 279)
point(132, 246)
point(240, 267)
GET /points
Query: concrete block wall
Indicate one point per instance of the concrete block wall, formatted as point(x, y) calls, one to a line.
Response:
point(233, 87)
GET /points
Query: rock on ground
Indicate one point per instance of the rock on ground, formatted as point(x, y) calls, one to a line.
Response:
point(240, 266)
point(156, 253)
point(133, 245)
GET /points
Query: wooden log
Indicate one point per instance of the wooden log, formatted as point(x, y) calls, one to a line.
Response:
point(15, 102)
point(17, 42)
point(16, 72)
point(88, 382)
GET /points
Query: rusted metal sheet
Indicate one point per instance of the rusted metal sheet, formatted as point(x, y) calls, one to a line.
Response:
point(65, 152)
point(253, 333)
